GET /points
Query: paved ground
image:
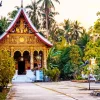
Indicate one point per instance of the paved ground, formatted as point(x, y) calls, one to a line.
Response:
point(64, 90)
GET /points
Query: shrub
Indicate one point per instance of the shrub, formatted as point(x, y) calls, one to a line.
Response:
point(79, 77)
point(7, 68)
point(53, 74)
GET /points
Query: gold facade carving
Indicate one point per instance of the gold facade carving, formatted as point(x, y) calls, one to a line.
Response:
point(19, 39)
point(21, 27)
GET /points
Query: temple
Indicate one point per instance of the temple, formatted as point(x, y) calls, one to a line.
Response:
point(28, 47)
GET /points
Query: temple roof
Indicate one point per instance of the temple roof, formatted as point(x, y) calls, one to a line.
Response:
point(34, 30)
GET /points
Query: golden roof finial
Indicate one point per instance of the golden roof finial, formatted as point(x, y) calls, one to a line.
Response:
point(21, 3)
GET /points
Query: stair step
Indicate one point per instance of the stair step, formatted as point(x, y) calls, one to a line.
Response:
point(29, 77)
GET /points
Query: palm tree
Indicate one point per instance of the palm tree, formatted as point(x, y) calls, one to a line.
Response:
point(67, 27)
point(34, 13)
point(51, 19)
point(83, 40)
point(47, 5)
point(76, 30)
point(13, 13)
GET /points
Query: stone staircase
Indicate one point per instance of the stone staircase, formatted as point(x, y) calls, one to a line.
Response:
point(29, 77)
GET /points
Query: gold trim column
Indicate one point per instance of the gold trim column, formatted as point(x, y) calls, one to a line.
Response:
point(31, 60)
point(45, 60)
point(12, 52)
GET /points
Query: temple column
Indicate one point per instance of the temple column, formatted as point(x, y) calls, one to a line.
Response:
point(31, 60)
point(45, 59)
point(12, 53)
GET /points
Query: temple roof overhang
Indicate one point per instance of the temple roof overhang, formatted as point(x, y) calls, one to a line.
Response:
point(37, 34)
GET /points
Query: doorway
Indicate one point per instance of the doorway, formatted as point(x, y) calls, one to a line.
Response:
point(21, 68)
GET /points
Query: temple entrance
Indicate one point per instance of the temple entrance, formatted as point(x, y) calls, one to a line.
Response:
point(21, 68)
point(20, 63)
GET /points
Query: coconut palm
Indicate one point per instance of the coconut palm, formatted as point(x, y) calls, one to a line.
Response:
point(83, 40)
point(13, 13)
point(47, 5)
point(76, 30)
point(34, 13)
point(67, 27)
point(51, 19)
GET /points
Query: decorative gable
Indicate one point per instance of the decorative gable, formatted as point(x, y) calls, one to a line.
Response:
point(22, 25)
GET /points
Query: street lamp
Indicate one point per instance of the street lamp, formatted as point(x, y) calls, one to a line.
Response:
point(21, 59)
point(38, 57)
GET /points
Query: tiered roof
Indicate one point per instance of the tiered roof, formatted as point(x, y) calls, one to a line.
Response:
point(33, 29)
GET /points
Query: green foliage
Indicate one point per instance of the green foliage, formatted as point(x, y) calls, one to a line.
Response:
point(3, 96)
point(84, 39)
point(98, 61)
point(7, 68)
point(92, 50)
point(79, 77)
point(46, 7)
point(70, 61)
point(53, 74)
point(73, 31)
point(98, 77)
point(97, 70)
point(34, 13)
point(13, 13)
point(3, 24)
point(97, 26)
point(53, 57)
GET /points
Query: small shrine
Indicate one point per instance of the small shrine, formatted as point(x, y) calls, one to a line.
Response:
point(28, 47)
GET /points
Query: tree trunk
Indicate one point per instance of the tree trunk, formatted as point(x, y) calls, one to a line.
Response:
point(47, 28)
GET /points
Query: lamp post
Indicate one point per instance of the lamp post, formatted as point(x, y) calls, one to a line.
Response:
point(87, 62)
point(89, 77)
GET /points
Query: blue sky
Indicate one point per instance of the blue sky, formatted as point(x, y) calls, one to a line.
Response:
point(81, 10)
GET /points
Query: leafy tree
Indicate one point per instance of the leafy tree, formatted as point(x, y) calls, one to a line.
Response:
point(3, 24)
point(97, 26)
point(91, 50)
point(53, 57)
point(7, 68)
point(69, 63)
point(91, 30)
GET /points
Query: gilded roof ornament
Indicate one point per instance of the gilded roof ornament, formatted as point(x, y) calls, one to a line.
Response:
point(21, 3)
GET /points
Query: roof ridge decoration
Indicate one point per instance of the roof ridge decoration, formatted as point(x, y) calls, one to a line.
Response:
point(21, 3)
point(21, 10)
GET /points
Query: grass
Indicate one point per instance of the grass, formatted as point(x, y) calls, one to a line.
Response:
point(4, 93)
